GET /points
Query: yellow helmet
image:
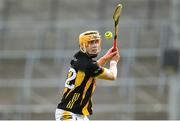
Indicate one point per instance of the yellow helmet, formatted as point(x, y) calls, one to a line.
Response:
point(87, 36)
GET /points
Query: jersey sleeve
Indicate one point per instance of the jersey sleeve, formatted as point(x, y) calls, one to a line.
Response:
point(94, 69)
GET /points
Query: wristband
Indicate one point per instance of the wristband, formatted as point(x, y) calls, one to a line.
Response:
point(113, 62)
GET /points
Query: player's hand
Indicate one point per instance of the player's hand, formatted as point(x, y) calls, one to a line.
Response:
point(116, 57)
point(110, 54)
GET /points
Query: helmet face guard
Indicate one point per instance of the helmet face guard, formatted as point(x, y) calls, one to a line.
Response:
point(88, 36)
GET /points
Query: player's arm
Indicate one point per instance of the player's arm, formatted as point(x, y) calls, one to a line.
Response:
point(111, 73)
point(108, 56)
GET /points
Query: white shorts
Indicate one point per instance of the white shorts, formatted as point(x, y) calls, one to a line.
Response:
point(62, 115)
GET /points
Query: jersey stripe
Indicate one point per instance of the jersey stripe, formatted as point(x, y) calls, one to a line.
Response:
point(78, 81)
point(94, 85)
point(86, 88)
point(79, 78)
point(74, 99)
point(65, 90)
point(85, 109)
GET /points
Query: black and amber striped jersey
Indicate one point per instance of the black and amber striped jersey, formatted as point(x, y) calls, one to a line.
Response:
point(80, 85)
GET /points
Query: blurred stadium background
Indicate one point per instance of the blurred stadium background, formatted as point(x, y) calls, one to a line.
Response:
point(39, 37)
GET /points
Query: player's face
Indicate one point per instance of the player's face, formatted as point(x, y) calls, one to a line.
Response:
point(93, 47)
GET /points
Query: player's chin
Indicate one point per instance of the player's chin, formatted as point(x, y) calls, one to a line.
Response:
point(97, 51)
point(93, 53)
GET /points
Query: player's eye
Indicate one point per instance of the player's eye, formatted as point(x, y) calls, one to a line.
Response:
point(94, 41)
point(98, 41)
